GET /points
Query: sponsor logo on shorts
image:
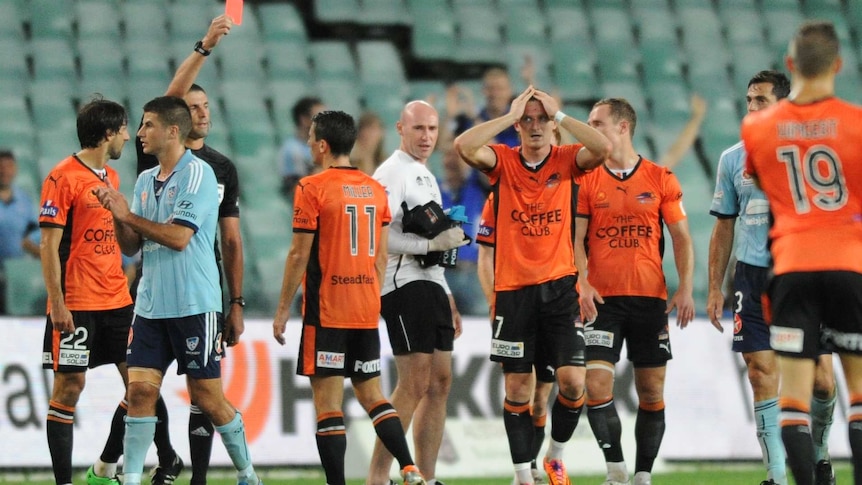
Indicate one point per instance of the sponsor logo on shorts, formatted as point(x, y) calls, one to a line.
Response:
point(367, 367)
point(599, 338)
point(786, 339)
point(330, 360)
point(78, 358)
point(845, 341)
point(192, 342)
point(502, 348)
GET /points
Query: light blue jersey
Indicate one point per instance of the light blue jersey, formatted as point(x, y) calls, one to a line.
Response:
point(179, 283)
point(736, 195)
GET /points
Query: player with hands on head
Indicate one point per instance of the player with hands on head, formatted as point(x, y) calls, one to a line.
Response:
point(535, 301)
point(340, 234)
point(623, 208)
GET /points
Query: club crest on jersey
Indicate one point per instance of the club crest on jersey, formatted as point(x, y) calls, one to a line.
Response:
point(49, 209)
point(172, 192)
point(645, 197)
point(144, 196)
point(192, 343)
point(553, 180)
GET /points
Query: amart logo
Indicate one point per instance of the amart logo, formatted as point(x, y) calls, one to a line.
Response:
point(246, 377)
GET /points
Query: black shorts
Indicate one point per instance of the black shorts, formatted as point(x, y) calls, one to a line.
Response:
point(750, 331)
point(537, 325)
point(100, 337)
point(801, 302)
point(639, 321)
point(194, 341)
point(324, 352)
point(418, 318)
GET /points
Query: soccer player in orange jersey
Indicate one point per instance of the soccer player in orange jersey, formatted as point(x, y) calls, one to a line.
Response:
point(805, 153)
point(89, 306)
point(339, 255)
point(623, 208)
point(534, 274)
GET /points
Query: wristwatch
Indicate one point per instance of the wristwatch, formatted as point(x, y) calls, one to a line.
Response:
point(238, 301)
point(199, 48)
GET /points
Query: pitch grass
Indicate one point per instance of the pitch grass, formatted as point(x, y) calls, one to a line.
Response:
point(687, 474)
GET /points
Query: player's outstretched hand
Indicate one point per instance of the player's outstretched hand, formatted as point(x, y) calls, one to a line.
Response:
point(219, 27)
point(519, 104)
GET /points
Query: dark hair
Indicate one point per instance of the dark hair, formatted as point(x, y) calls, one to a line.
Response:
point(303, 108)
point(621, 109)
point(171, 110)
point(196, 88)
point(97, 119)
point(6, 153)
point(780, 83)
point(337, 128)
point(814, 47)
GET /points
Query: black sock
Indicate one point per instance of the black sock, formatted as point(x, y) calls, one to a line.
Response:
point(114, 444)
point(201, 432)
point(519, 430)
point(331, 446)
point(565, 414)
point(855, 436)
point(388, 427)
point(538, 437)
point(59, 430)
point(162, 438)
point(649, 431)
point(796, 435)
point(607, 429)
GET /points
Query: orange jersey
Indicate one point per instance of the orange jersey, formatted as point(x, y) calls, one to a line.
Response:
point(485, 235)
point(346, 210)
point(808, 160)
point(90, 258)
point(625, 235)
point(534, 217)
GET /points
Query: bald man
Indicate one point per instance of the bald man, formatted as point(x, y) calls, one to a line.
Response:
point(420, 313)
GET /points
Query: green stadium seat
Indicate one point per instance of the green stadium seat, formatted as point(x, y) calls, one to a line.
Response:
point(114, 88)
point(337, 11)
point(144, 21)
point(781, 25)
point(380, 65)
point(12, 22)
point(187, 20)
point(53, 59)
point(574, 70)
point(142, 90)
point(479, 36)
point(284, 93)
point(433, 40)
point(241, 58)
point(282, 22)
point(743, 24)
point(669, 103)
point(625, 89)
point(208, 77)
point(430, 90)
point(51, 102)
point(660, 61)
point(655, 26)
point(525, 24)
point(386, 103)
point(570, 25)
point(150, 63)
point(15, 75)
point(383, 12)
point(748, 60)
point(100, 57)
point(50, 19)
point(25, 288)
point(333, 60)
point(339, 94)
point(97, 19)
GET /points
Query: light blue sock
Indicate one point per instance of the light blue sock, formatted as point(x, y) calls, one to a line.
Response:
point(233, 437)
point(769, 435)
point(821, 425)
point(138, 438)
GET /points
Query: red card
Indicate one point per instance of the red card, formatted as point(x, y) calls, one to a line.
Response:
point(233, 9)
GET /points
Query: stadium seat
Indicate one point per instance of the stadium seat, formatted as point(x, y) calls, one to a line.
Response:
point(748, 60)
point(570, 25)
point(100, 57)
point(337, 11)
point(479, 36)
point(51, 102)
point(50, 19)
point(430, 90)
point(525, 25)
point(781, 25)
point(743, 24)
point(208, 77)
point(333, 60)
point(433, 40)
point(625, 89)
point(97, 19)
point(339, 94)
point(574, 71)
point(187, 21)
point(380, 65)
point(25, 288)
point(383, 12)
point(661, 61)
point(144, 21)
point(151, 63)
point(282, 22)
point(241, 59)
point(11, 22)
point(15, 74)
point(142, 90)
point(53, 59)
point(284, 93)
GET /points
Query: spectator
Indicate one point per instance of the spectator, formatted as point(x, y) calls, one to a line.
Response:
point(295, 156)
point(367, 153)
point(497, 89)
point(18, 225)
